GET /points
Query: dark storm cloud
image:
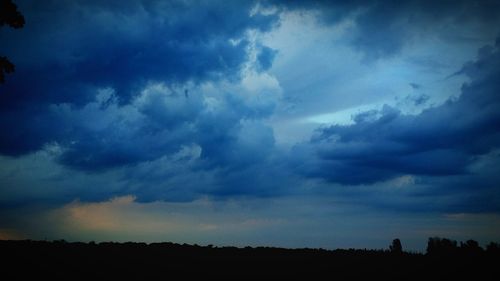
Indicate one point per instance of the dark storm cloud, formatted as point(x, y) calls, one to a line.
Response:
point(121, 89)
point(383, 27)
point(69, 49)
point(441, 141)
point(156, 124)
point(105, 134)
point(117, 88)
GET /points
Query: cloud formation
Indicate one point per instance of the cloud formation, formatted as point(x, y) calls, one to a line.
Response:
point(81, 49)
point(166, 104)
point(383, 28)
point(442, 141)
point(162, 92)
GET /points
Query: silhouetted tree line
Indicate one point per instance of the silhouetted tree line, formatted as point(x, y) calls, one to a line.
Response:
point(443, 246)
point(9, 15)
point(445, 260)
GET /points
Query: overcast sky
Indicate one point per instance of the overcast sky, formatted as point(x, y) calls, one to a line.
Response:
point(282, 123)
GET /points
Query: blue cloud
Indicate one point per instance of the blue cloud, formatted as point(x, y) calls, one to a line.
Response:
point(152, 91)
point(105, 134)
point(441, 141)
point(87, 46)
point(265, 58)
point(383, 28)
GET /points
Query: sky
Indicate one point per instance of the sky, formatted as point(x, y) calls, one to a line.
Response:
point(332, 124)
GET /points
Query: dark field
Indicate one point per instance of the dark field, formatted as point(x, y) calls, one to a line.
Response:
point(443, 261)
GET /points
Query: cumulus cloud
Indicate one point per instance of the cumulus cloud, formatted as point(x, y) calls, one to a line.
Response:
point(442, 141)
point(121, 93)
point(160, 104)
point(83, 48)
point(173, 143)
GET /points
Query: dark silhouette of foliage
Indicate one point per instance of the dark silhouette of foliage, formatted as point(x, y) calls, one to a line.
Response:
point(493, 248)
point(471, 247)
point(5, 67)
point(396, 246)
point(9, 15)
point(109, 260)
point(441, 246)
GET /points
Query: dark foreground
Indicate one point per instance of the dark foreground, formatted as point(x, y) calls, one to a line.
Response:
point(168, 261)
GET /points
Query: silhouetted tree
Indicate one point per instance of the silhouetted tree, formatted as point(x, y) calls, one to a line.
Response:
point(471, 247)
point(441, 246)
point(396, 246)
point(493, 247)
point(9, 15)
point(5, 67)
